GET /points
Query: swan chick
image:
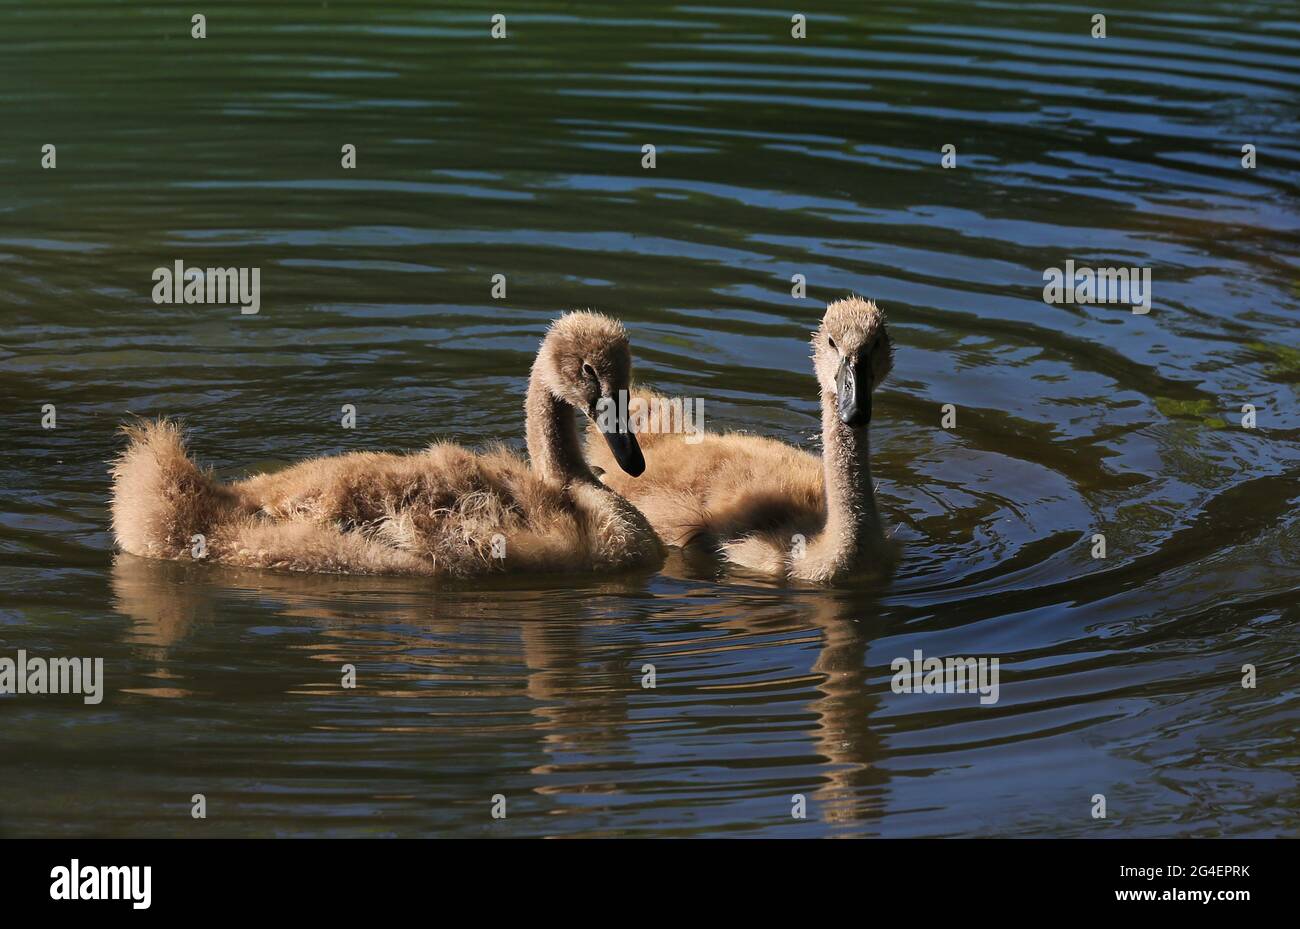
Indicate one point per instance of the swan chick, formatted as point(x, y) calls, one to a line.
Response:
point(443, 512)
point(766, 506)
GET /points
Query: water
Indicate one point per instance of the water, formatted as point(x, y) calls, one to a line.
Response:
point(775, 156)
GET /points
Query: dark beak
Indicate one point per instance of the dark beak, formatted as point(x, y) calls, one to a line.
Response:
point(625, 448)
point(853, 392)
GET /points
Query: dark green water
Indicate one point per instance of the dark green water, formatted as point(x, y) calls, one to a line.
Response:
point(775, 156)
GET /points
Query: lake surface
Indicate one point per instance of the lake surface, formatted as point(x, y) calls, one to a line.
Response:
point(775, 156)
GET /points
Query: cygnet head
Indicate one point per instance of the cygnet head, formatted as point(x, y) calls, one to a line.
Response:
point(852, 354)
point(586, 361)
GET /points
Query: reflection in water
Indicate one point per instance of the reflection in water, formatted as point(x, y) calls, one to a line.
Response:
point(851, 795)
point(582, 674)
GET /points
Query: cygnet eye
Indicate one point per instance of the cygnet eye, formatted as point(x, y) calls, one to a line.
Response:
point(588, 370)
point(831, 341)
